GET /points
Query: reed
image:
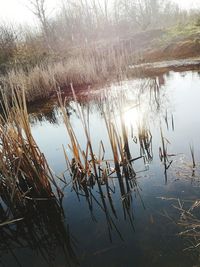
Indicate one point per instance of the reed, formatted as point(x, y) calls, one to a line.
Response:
point(86, 169)
point(189, 222)
point(145, 141)
point(193, 156)
point(163, 154)
point(25, 174)
point(87, 65)
point(123, 161)
point(90, 170)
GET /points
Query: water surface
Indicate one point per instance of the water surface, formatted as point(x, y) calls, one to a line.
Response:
point(145, 233)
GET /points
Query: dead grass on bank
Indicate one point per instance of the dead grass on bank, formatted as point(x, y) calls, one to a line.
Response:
point(88, 65)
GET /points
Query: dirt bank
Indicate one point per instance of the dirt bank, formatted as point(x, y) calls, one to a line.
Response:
point(161, 45)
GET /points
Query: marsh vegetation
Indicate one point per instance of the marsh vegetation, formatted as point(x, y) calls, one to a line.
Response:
point(117, 169)
point(92, 42)
point(99, 156)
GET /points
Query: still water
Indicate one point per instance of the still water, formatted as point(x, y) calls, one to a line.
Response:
point(144, 232)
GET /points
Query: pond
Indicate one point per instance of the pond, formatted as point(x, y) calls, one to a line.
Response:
point(129, 224)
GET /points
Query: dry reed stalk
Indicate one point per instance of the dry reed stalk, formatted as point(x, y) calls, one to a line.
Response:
point(25, 172)
point(145, 141)
point(193, 157)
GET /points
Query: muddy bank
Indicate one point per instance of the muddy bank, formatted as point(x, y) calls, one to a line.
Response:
point(144, 54)
point(159, 51)
point(143, 70)
point(161, 67)
point(161, 44)
point(180, 50)
point(163, 47)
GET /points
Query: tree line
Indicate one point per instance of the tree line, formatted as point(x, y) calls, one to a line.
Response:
point(79, 22)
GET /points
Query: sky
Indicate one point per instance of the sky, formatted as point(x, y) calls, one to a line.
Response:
point(16, 11)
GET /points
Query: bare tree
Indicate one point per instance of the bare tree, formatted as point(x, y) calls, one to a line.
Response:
point(38, 8)
point(144, 14)
point(81, 21)
point(8, 42)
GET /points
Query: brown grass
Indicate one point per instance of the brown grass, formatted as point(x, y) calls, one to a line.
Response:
point(87, 65)
point(25, 173)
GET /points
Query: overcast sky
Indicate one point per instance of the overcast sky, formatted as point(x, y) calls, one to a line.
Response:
point(17, 11)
